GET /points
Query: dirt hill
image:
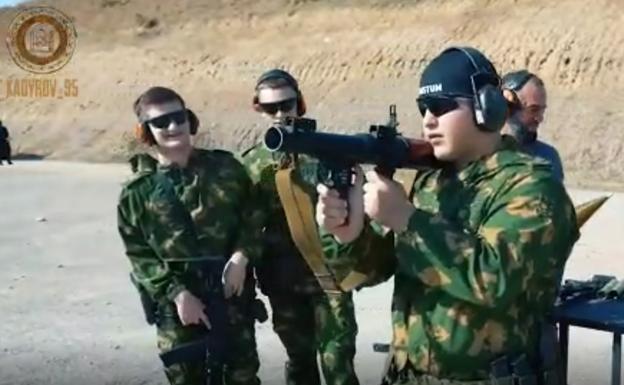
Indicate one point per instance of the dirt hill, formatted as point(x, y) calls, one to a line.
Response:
point(353, 58)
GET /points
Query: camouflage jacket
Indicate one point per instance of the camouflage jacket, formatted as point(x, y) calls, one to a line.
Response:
point(262, 165)
point(171, 219)
point(478, 267)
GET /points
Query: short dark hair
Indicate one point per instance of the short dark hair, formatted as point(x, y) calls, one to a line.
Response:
point(155, 95)
point(275, 83)
point(537, 80)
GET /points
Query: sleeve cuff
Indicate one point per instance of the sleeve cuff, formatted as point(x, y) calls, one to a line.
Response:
point(173, 291)
point(416, 222)
point(252, 253)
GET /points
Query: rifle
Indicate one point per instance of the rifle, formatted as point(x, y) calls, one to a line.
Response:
point(211, 349)
point(190, 352)
point(598, 287)
point(383, 146)
point(196, 351)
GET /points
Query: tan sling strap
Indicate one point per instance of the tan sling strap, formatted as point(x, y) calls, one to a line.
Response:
point(300, 217)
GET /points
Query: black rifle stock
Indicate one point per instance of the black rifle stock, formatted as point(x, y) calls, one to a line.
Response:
point(194, 351)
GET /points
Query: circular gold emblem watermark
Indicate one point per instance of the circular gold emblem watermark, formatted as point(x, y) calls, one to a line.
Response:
point(41, 40)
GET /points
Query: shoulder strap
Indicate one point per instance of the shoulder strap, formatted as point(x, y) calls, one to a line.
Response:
point(300, 217)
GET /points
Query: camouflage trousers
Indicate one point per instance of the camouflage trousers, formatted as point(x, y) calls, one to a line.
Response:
point(241, 361)
point(308, 324)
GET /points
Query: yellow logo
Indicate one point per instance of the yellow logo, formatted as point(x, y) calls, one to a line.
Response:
point(41, 40)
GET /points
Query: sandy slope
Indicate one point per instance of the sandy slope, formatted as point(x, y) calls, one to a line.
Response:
point(353, 59)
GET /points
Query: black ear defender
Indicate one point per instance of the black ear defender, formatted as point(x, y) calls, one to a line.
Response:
point(193, 121)
point(292, 82)
point(511, 84)
point(490, 106)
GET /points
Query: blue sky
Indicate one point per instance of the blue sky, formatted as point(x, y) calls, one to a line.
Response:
point(4, 3)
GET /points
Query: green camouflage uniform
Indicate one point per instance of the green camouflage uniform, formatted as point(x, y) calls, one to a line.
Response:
point(177, 224)
point(477, 269)
point(306, 319)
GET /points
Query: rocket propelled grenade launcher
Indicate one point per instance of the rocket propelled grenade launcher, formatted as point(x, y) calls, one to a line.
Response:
point(383, 146)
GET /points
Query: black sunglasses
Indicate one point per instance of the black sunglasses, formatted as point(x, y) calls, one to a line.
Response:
point(163, 121)
point(437, 105)
point(284, 106)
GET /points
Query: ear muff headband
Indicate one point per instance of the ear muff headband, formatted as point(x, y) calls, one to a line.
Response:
point(278, 74)
point(484, 68)
point(490, 106)
point(516, 80)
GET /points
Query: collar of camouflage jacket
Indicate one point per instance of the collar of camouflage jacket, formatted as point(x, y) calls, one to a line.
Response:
point(143, 163)
point(508, 155)
point(146, 163)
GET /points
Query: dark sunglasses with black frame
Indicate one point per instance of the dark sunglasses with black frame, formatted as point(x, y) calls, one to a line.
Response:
point(438, 105)
point(163, 121)
point(283, 105)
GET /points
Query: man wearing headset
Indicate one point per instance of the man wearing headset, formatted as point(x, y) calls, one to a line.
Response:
point(308, 321)
point(526, 96)
point(476, 247)
point(184, 222)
